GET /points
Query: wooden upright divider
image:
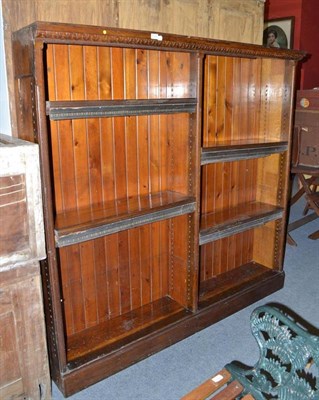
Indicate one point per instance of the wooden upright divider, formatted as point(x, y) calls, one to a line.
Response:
point(164, 163)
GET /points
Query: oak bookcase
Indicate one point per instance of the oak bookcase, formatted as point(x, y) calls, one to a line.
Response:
point(164, 164)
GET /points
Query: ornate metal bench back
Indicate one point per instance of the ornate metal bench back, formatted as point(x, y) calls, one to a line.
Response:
point(288, 367)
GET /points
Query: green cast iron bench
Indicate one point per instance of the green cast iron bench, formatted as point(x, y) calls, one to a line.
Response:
point(288, 367)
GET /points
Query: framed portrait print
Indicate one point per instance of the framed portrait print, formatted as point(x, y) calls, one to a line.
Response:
point(279, 33)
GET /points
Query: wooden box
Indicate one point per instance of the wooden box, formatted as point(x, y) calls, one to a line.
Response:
point(22, 232)
point(165, 163)
point(306, 139)
point(24, 368)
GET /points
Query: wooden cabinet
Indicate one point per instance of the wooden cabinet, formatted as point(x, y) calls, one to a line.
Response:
point(236, 20)
point(24, 368)
point(164, 162)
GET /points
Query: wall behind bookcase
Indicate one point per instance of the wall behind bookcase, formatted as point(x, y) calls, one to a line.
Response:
point(5, 126)
point(237, 20)
point(306, 34)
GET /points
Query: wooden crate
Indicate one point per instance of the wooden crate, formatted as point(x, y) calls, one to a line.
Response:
point(306, 138)
point(24, 369)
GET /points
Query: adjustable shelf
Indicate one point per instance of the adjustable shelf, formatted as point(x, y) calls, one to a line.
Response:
point(240, 150)
point(221, 224)
point(61, 110)
point(77, 226)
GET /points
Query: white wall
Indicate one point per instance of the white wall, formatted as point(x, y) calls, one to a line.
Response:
point(5, 124)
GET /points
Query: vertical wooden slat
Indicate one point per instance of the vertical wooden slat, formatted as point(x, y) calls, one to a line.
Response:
point(113, 275)
point(207, 176)
point(223, 132)
point(143, 164)
point(133, 267)
point(95, 251)
point(102, 294)
point(145, 264)
point(221, 97)
point(50, 53)
point(70, 256)
point(91, 74)
point(131, 126)
point(155, 261)
point(79, 145)
point(118, 125)
point(78, 89)
point(67, 288)
point(88, 283)
point(155, 173)
point(154, 123)
point(121, 184)
point(107, 150)
point(124, 273)
point(65, 158)
point(142, 123)
point(244, 172)
point(178, 264)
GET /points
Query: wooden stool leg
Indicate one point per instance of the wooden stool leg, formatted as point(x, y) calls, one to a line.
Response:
point(290, 240)
point(208, 387)
point(314, 236)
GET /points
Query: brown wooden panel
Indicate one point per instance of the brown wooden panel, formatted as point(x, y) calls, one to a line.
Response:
point(231, 184)
point(14, 233)
point(25, 92)
point(107, 277)
point(23, 359)
point(178, 260)
point(231, 103)
point(101, 279)
point(269, 234)
point(214, 262)
point(9, 359)
point(72, 288)
point(94, 12)
point(159, 16)
point(236, 20)
point(112, 268)
point(271, 182)
point(274, 94)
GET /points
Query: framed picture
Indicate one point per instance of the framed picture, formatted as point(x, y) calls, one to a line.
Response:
point(279, 33)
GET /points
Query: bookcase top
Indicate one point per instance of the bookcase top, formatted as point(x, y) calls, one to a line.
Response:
point(52, 32)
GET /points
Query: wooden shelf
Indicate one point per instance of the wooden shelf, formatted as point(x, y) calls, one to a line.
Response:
point(77, 226)
point(237, 219)
point(240, 150)
point(117, 332)
point(60, 110)
point(232, 282)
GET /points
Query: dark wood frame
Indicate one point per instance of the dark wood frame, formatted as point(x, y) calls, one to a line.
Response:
point(207, 299)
